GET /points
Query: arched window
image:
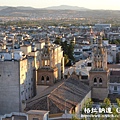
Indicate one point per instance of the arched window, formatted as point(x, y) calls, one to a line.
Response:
point(95, 80)
point(47, 79)
point(42, 79)
point(100, 81)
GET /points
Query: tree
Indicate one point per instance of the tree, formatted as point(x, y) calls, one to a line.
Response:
point(58, 41)
point(70, 51)
point(65, 47)
point(89, 103)
point(67, 50)
point(74, 118)
point(107, 102)
point(66, 59)
point(118, 101)
point(116, 42)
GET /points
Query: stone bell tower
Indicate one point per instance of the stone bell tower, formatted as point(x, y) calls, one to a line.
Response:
point(47, 73)
point(99, 73)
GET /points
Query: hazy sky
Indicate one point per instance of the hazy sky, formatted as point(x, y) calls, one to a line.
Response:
point(92, 4)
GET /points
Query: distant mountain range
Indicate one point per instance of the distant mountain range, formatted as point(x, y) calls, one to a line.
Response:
point(58, 12)
point(66, 7)
point(61, 7)
point(19, 7)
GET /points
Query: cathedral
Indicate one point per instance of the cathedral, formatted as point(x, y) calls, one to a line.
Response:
point(99, 73)
point(72, 93)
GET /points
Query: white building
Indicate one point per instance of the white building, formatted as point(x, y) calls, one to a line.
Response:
point(112, 53)
point(17, 81)
point(30, 115)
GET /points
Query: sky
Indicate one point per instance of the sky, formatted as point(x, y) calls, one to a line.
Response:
point(91, 4)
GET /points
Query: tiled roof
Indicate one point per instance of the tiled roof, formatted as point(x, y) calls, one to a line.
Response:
point(69, 92)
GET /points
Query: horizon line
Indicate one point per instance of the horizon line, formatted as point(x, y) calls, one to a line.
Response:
point(57, 6)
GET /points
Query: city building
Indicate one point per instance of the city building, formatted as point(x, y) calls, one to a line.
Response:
point(102, 26)
point(114, 84)
point(17, 80)
point(30, 115)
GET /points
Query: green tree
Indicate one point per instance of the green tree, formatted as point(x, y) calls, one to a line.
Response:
point(67, 49)
point(66, 59)
point(70, 51)
point(118, 101)
point(106, 102)
point(74, 118)
point(58, 41)
point(89, 103)
point(116, 42)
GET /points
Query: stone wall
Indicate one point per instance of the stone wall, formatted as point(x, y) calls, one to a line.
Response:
point(9, 87)
point(100, 93)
